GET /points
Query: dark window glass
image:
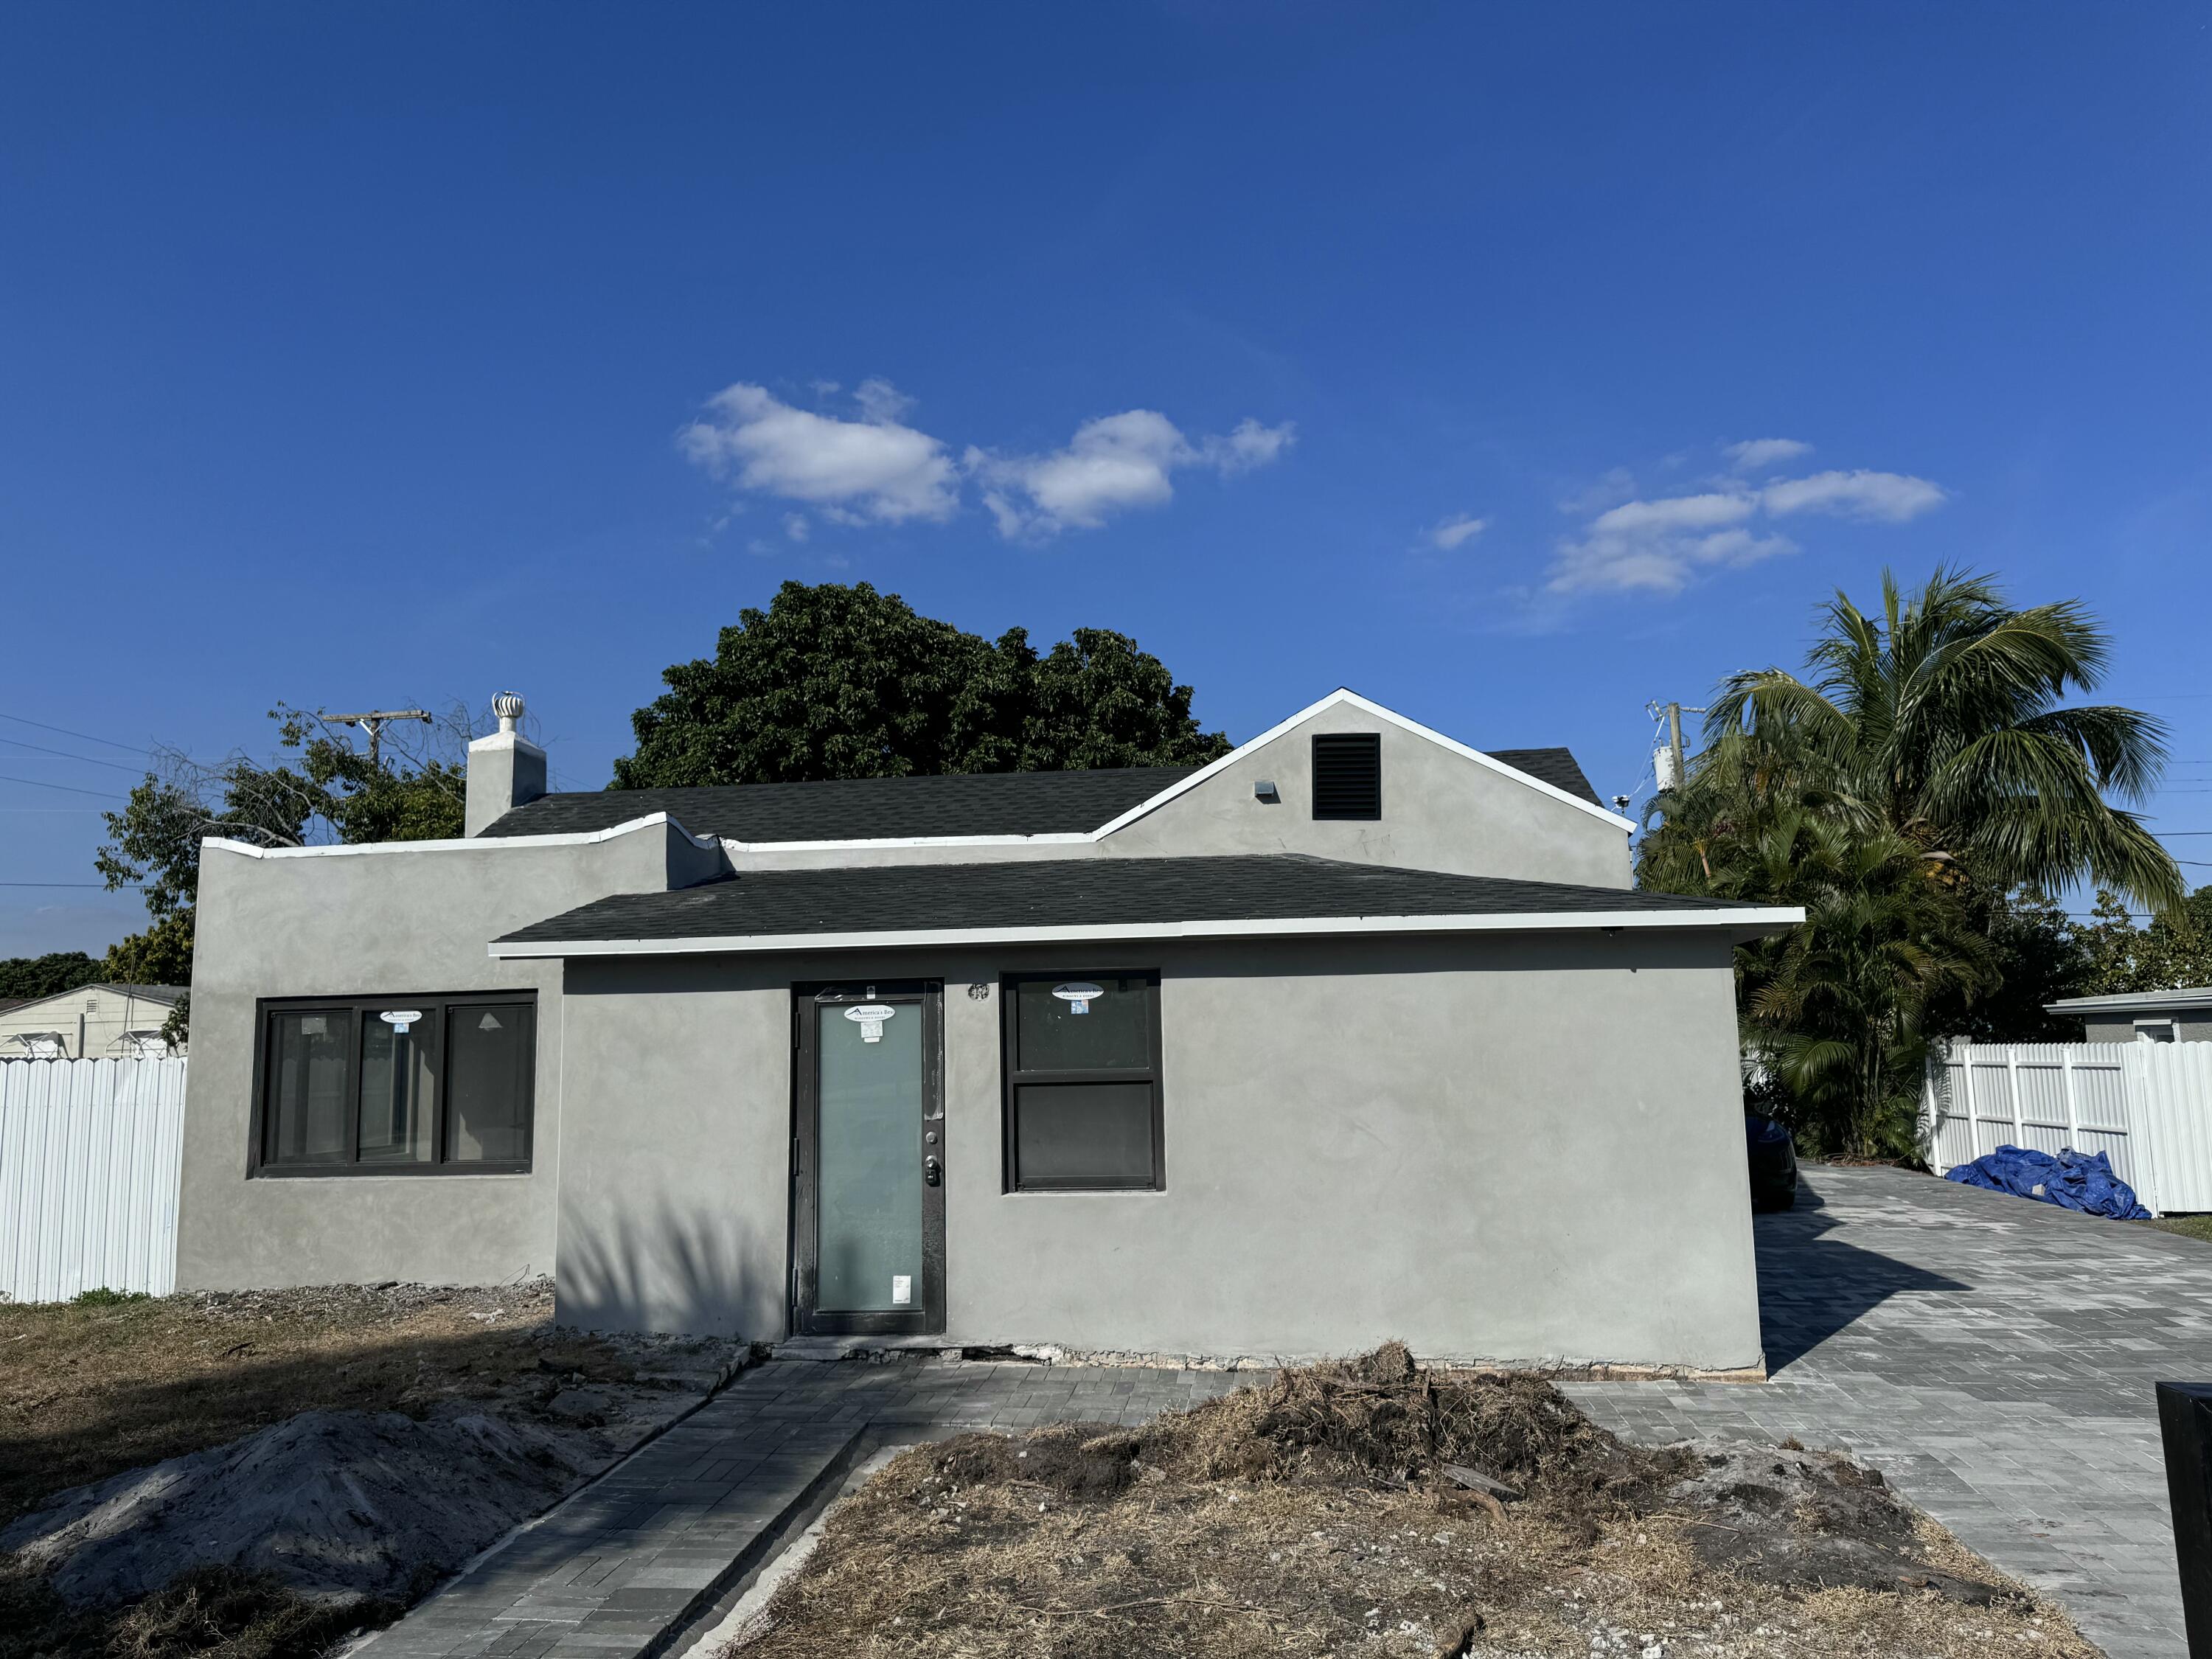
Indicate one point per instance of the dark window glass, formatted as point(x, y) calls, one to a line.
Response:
point(310, 1111)
point(1084, 1133)
point(1083, 1081)
point(1064, 1031)
point(489, 1052)
point(396, 1085)
point(1347, 775)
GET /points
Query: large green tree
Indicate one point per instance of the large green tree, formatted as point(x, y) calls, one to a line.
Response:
point(2172, 952)
point(843, 682)
point(29, 978)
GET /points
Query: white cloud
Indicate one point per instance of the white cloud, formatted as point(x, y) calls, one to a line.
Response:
point(1755, 454)
point(796, 527)
point(1675, 512)
point(1654, 558)
point(1891, 497)
point(1112, 464)
point(1663, 545)
point(1453, 532)
point(874, 469)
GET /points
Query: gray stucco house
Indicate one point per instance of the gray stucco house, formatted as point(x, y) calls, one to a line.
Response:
point(1356, 1032)
point(2183, 1015)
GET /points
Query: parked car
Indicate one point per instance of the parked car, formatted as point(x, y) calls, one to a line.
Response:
point(1773, 1163)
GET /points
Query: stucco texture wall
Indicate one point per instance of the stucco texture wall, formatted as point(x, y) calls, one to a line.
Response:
point(2191, 1025)
point(1523, 1148)
point(392, 921)
point(1441, 811)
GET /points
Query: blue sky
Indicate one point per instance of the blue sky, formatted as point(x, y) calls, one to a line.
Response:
point(357, 355)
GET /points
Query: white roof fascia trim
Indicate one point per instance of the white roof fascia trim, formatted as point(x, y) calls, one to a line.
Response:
point(2188, 996)
point(1345, 695)
point(1056, 838)
point(1756, 920)
point(578, 838)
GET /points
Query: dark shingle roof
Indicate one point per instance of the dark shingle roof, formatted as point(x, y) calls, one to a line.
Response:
point(1100, 892)
point(871, 808)
point(1556, 767)
point(863, 809)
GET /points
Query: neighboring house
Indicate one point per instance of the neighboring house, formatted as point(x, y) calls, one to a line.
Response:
point(93, 1022)
point(2184, 1016)
point(1356, 1032)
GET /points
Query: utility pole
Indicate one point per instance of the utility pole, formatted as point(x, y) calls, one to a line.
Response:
point(1671, 765)
point(373, 722)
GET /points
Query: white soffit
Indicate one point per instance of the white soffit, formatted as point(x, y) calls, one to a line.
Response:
point(1751, 922)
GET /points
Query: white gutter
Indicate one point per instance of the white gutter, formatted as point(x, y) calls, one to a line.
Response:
point(1750, 922)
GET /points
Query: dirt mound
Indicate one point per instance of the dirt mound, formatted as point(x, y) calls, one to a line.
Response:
point(1379, 1419)
point(1814, 1520)
point(1328, 1510)
point(336, 1504)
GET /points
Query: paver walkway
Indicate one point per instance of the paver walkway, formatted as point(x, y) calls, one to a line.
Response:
point(1993, 1356)
point(634, 1560)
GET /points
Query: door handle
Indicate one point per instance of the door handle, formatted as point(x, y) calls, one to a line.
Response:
point(932, 1171)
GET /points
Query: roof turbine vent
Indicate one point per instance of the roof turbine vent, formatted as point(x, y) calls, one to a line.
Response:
point(508, 707)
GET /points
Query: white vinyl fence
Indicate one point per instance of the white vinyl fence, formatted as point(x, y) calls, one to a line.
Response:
point(2147, 1106)
point(90, 1154)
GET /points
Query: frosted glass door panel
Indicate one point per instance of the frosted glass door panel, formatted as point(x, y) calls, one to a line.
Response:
point(868, 1233)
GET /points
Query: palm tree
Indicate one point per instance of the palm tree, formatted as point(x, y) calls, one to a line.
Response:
point(1837, 1009)
point(1940, 721)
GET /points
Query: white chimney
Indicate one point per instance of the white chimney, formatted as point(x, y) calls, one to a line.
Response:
point(505, 768)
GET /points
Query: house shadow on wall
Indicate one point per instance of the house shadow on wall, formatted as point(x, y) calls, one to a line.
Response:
point(665, 1273)
point(1813, 1287)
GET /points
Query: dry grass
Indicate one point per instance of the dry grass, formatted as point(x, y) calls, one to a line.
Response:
point(1309, 1518)
point(2189, 1226)
point(215, 1613)
point(91, 1389)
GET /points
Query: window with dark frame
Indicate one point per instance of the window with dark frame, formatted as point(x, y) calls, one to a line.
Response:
point(1082, 1108)
point(1347, 775)
point(396, 1085)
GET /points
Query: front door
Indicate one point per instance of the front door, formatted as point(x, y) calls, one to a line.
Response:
point(868, 1174)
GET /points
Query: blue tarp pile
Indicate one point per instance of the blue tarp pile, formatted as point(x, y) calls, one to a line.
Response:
point(2075, 1180)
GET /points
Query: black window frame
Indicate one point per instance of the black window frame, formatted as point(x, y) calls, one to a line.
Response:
point(1012, 1076)
point(1341, 746)
point(356, 1010)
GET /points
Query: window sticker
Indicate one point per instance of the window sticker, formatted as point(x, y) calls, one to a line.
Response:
point(490, 1022)
point(314, 1025)
point(902, 1284)
point(400, 1018)
point(1079, 995)
point(870, 1017)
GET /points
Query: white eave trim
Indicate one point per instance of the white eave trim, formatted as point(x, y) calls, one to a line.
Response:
point(1344, 696)
point(580, 838)
point(2186, 997)
point(899, 843)
point(1749, 923)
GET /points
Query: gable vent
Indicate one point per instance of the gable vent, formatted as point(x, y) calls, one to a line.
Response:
point(1347, 775)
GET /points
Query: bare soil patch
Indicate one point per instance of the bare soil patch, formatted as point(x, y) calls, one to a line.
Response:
point(1330, 1510)
point(250, 1475)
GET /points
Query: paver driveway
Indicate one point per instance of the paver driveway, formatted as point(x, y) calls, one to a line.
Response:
point(1995, 1358)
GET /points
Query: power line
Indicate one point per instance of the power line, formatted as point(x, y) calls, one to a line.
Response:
point(40, 783)
point(128, 747)
point(63, 754)
point(101, 885)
